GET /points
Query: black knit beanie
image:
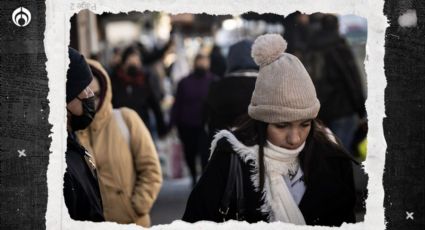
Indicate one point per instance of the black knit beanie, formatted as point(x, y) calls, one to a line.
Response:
point(78, 76)
point(239, 57)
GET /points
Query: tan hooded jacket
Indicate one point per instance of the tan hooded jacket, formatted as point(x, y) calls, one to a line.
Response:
point(128, 169)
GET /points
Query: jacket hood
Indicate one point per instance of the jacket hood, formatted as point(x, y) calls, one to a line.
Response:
point(239, 57)
point(104, 111)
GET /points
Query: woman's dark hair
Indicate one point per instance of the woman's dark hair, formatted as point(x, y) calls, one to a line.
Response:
point(318, 136)
point(253, 132)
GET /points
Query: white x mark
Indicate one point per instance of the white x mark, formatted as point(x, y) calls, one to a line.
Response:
point(22, 153)
point(409, 215)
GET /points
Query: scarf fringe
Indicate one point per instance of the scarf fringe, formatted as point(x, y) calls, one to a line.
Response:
point(249, 156)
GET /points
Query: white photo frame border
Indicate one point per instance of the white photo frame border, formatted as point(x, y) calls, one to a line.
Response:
point(56, 41)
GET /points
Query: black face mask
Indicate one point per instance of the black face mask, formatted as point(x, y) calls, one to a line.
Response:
point(132, 71)
point(84, 120)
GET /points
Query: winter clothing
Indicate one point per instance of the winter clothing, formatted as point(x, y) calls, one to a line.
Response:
point(296, 34)
point(78, 76)
point(138, 92)
point(188, 114)
point(128, 166)
point(280, 164)
point(329, 197)
point(188, 108)
point(284, 90)
point(218, 62)
point(336, 77)
point(229, 98)
point(239, 57)
point(195, 142)
point(80, 188)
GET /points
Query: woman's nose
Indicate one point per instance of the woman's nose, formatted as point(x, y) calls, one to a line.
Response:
point(294, 138)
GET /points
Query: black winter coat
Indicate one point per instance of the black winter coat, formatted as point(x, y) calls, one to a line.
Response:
point(329, 198)
point(81, 189)
point(336, 77)
point(141, 97)
point(227, 100)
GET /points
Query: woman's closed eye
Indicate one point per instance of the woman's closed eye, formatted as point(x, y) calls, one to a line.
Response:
point(281, 125)
point(306, 124)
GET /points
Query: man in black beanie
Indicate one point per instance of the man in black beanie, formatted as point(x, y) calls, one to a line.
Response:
point(229, 97)
point(81, 189)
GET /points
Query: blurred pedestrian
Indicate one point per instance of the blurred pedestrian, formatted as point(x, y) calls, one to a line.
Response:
point(218, 62)
point(115, 61)
point(337, 80)
point(136, 88)
point(81, 189)
point(292, 170)
point(151, 60)
point(229, 97)
point(188, 113)
point(149, 57)
point(128, 165)
point(296, 33)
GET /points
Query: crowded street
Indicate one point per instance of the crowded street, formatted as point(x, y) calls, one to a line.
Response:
point(186, 116)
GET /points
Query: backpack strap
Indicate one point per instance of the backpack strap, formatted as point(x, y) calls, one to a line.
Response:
point(122, 125)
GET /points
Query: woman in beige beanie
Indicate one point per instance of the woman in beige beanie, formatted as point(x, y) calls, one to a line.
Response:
point(292, 169)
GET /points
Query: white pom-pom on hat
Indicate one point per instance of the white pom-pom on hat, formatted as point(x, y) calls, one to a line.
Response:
point(268, 48)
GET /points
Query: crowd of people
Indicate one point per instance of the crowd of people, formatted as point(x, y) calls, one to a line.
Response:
point(273, 124)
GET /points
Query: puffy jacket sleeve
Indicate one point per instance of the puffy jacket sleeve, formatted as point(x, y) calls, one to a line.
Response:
point(205, 198)
point(146, 163)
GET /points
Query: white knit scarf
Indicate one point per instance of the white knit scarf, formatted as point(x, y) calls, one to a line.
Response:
point(278, 200)
point(279, 162)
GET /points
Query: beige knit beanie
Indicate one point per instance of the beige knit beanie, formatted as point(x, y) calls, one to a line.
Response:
point(283, 91)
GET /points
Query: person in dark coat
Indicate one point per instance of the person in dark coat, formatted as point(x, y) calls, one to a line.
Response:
point(218, 62)
point(296, 33)
point(81, 189)
point(137, 88)
point(337, 79)
point(229, 97)
point(294, 170)
point(188, 113)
